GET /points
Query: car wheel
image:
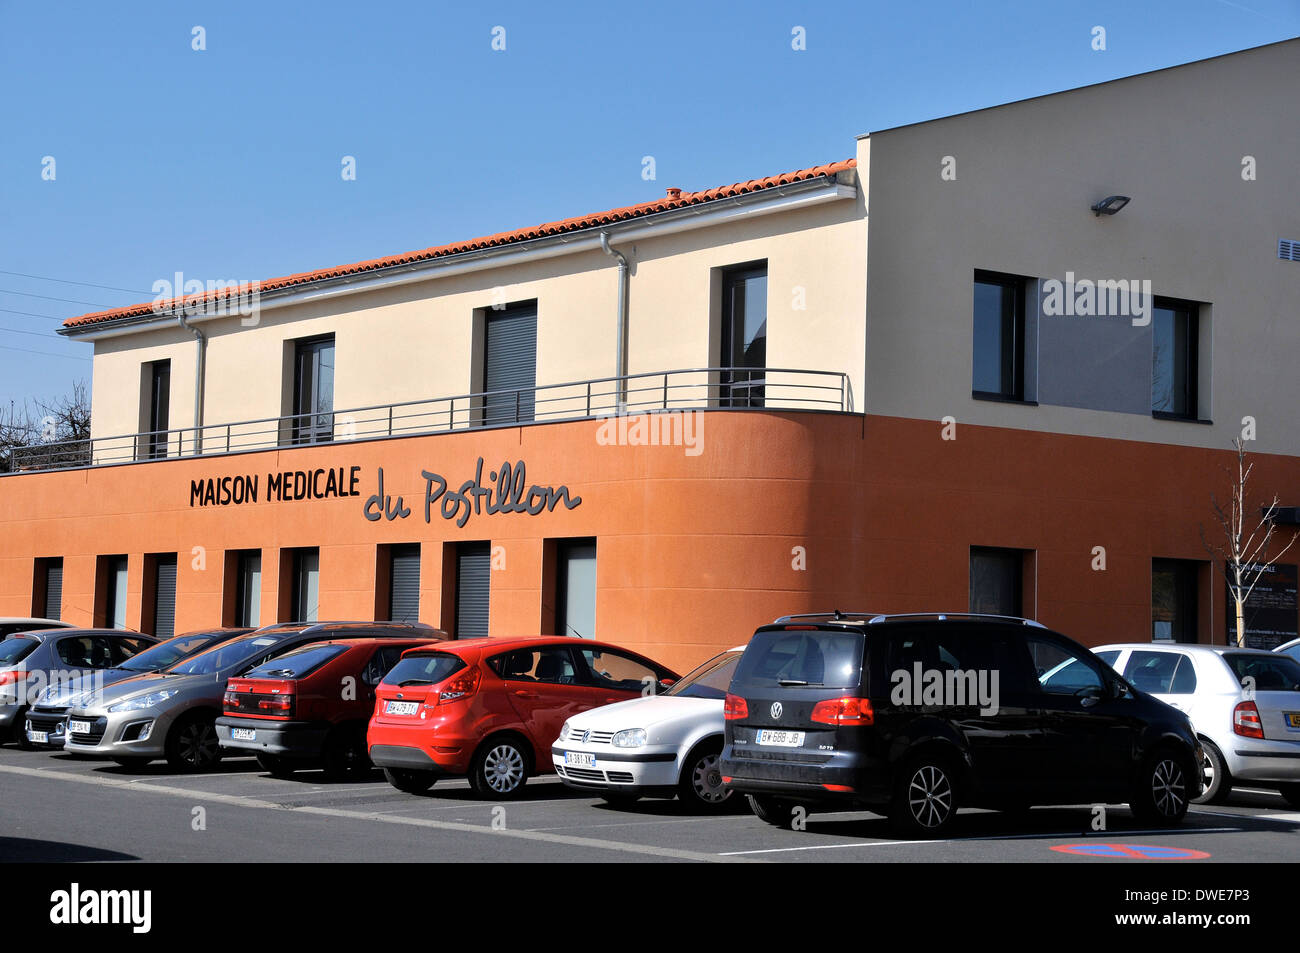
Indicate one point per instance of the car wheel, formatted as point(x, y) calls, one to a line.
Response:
point(275, 765)
point(500, 769)
point(1218, 781)
point(412, 782)
point(1160, 794)
point(701, 785)
point(345, 754)
point(925, 798)
point(774, 810)
point(1291, 792)
point(193, 745)
point(20, 731)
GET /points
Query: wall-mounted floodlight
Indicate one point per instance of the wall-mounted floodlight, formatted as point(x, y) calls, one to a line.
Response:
point(1111, 204)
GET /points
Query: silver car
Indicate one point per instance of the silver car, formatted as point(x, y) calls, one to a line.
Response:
point(31, 661)
point(172, 714)
point(1243, 703)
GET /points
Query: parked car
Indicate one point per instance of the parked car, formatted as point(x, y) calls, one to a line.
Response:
point(490, 708)
point(32, 660)
point(310, 705)
point(1290, 649)
point(48, 715)
point(659, 746)
point(916, 716)
point(11, 624)
point(1243, 703)
point(172, 714)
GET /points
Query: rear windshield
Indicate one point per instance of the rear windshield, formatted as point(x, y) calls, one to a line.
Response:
point(1272, 673)
point(817, 658)
point(710, 680)
point(424, 669)
point(13, 651)
point(166, 653)
point(298, 663)
point(222, 656)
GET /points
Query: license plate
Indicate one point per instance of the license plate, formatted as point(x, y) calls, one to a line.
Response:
point(580, 759)
point(79, 727)
point(401, 708)
point(784, 739)
point(40, 737)
point(242, 734)
point(1293, 719)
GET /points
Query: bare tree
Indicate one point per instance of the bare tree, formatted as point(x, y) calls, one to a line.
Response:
point(48, 432)
point(1244, 554)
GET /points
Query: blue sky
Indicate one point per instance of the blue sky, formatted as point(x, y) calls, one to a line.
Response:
point(225, 163)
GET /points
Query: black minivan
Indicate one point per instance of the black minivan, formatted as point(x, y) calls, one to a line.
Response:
point(914, 716)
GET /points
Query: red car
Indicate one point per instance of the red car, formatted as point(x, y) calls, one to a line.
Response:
point(309, 706)
point(490, 708)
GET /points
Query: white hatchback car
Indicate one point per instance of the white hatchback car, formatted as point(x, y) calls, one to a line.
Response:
point(1244, 704)
point(657, 746)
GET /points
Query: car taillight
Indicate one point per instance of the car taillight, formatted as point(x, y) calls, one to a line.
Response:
point(461, 686)
point(849, 710)
point(734, 707)
point(12, 677)
point(275, 705)
point(1245, 721)
point(229, 701)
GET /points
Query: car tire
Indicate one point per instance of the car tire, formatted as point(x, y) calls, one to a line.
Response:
point(412, 782)
point(275, 765)
point(700, 786)
point(499, 769)
point(20, 731)
point(926, 797)
point(1291, 793)
point(1160, 789)
point(773, 810)
point(192, 744)
point(1218, 780)
point(344, 755)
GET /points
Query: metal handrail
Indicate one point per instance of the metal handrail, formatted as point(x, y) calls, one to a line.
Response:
point(771, 388)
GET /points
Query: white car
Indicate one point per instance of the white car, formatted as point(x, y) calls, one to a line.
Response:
point(1244, 705)
point(657, 746)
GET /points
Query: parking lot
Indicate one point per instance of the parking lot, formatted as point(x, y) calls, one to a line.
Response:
point(56, 807)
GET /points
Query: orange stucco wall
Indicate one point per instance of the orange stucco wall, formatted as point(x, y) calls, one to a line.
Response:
point(694, 549)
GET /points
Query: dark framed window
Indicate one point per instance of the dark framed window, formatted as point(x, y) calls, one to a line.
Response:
point(473, 589)
point(510, 364)
point(997, 581)
point(744, 335)
point(306, 584)
point(248, 588)
point(404, 583)
point(1174, 598)
point(160, 607)
point(47, 588)
point(313, 390)
point(998, 362)
point(113, 574)
point(159, 397)
point(1174, 358)
point(575, 588)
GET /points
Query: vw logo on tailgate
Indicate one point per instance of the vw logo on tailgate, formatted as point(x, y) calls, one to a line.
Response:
point(777, 709)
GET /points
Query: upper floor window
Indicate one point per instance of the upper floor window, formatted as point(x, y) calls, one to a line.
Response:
point(1174, 358)
point(156, 412)
point(744, 335)
point(510, 364)
point(313, 390)
point(999, 340)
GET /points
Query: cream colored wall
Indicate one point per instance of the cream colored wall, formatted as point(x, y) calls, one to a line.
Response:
point(1026, 175)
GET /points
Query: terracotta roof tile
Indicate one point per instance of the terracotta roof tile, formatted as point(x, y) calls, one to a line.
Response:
point(669, 202)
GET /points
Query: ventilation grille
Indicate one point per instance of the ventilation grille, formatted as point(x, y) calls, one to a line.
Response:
point(1288, 249)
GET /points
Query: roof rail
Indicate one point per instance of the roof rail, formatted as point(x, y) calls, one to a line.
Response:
point(956, 615)
point(835, 615)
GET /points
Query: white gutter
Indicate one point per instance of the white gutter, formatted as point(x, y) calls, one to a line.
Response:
point(715, 212)
point(620, 329)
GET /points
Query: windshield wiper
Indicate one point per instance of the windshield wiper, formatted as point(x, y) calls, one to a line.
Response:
point(787, 682)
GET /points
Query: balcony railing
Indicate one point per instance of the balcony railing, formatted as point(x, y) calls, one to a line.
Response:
point(768, 388)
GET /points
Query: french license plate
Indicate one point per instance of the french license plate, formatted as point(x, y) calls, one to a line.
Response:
point(79, 727)
point(783, 739)
point(39, 737)
point(242, 734)
point(579, 759)
point(401, 708)
point(1293, 719)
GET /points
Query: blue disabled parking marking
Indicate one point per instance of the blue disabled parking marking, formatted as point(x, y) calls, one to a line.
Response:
point(1131, 851)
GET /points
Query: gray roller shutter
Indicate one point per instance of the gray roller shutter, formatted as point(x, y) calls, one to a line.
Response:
point(53, 588)
point(404, 598)
point(510, 347)
point(473, 586)
point(164, 619)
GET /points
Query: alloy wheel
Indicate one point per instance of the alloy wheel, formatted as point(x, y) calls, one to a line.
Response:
point(198, 744)
point(929, 796)
point(1168, 788)
point(503, 768)
point(706, 781)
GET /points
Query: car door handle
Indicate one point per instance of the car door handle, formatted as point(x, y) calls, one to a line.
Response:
point(523, 694)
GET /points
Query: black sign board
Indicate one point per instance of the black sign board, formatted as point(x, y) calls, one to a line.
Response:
point(1270, 610)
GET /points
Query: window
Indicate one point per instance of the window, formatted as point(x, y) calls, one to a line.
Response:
point(819, 658)
point(1161, 673)
point(996, 581)
point(473, 589)
point(1174, 367)
point(402, 583)
point(313, 390)
point(47, 588)
point(162, 606)
point(381, 663)
point(86, 651)
point(614, 671)
point(112, 581)
point(158, 406)
point(1173, 600)
point(999, 340)
point(305, 585)
point(1060, 671)
point(248, 588)
point(553, 666)
point(1270, 673)
point(575, 584)
point(710, 680)
point(744, 335)
point(510, 364)
point(427, 669)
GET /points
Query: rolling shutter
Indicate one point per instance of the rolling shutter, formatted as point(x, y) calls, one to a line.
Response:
point(510, 347)
point(404, 598)
point(473, 586)
point(164, 619)
point(53, 588)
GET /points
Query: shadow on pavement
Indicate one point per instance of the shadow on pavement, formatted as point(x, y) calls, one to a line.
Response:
point(44, 851)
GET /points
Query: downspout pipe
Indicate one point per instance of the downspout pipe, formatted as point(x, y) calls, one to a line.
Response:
point(620, 331)
point(200, 362)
